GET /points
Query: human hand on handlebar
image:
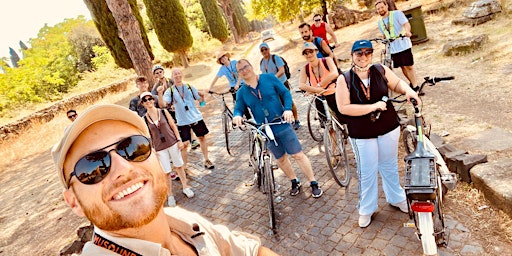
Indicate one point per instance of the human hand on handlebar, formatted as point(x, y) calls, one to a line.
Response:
point(288, 116)
point(237, 120)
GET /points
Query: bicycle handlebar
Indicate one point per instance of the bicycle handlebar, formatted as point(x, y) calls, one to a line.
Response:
point(385, 40)
point(219, 93)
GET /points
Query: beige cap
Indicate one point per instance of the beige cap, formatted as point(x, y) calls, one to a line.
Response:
point(308, 45)
point(90, 116)
point(219, 55)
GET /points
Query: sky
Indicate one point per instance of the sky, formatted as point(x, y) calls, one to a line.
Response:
point(22, 19)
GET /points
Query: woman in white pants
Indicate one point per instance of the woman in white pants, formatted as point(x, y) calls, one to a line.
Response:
point(373, 128)
point(167, 142)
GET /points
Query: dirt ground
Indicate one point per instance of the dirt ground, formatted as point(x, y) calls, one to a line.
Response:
point(35, 221)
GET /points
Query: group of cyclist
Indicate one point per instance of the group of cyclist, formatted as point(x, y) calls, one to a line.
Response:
point(355, 96)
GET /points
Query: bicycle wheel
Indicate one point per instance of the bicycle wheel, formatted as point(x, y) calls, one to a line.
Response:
point(426, 229)
point(409, 140)
point(439, 230)
point(254, 149)
point(234, 137)
point(269, 191)
point(336, 148)
point(315, 124)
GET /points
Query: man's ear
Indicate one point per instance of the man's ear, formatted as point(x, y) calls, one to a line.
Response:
point(72, 201)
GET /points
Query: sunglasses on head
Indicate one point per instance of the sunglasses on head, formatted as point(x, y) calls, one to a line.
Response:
point(263, 49)
point(94, 167)
point(360, 53)
point(72, 116)
point(146, 99)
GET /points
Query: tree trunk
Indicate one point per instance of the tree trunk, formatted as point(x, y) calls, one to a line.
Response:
point(184, 59)
point(130, 33)
point(228, 12)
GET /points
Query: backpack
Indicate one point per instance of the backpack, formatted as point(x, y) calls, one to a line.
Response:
point(324, 62)
point(189, 87)
point(286, 67)
point(318, 43)
point(348, 75)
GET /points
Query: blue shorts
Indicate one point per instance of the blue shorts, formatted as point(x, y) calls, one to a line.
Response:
point(287, 141)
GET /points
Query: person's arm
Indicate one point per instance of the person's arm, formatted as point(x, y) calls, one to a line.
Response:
point(329, 31)
point(407, 27)
point(279, 65)
point(400, 86)
point(213, 83)
point(239, 108)
point(327, 49)
point(346, 107)
point(264, 251)
point(174, 128)
point(166, 97)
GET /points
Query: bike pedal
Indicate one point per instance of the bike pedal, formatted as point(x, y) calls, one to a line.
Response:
point(409, 225)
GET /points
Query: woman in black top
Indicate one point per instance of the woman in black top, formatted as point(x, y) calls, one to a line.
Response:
point(359, 95)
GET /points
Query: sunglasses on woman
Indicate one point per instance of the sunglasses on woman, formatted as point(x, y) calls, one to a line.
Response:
point(360, 53)
point(72, 116)
point(146, 99)
point(94, 167)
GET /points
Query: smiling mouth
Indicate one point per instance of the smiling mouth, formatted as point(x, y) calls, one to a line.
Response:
point(132, 189)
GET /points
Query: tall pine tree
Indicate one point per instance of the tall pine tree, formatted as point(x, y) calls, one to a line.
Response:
point(14, 57)
point(171, 28)
point(107, 26)
point(215, 21)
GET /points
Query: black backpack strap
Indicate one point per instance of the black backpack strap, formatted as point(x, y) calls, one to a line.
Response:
point(307, 70)
point(190, 88)
point(165, 116)
point(381, 70)
point(348, 78)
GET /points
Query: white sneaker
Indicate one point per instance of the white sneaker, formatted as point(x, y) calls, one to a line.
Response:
point(365, 220)
point(188, 192)
point(402, 206)
point(171, 202)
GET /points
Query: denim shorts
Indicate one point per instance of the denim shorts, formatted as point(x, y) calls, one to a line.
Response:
point(287, 142)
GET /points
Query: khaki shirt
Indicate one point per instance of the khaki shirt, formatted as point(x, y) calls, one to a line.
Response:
point(217, 240)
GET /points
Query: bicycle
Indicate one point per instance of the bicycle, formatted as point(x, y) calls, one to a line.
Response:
point(233, 139)
point(426, 180)
point(336, 142)
point(385, 55)
point(316, 124)
point(261, 160)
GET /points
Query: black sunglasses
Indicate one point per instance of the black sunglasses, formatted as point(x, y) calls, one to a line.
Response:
point(72, 116)
point(263, 49)
point(94, 167)
point(318, 20)
point(146, 99)
point(360, 53)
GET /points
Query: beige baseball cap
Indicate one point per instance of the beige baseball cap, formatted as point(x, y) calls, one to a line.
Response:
point(308, 45)
point(90, 116)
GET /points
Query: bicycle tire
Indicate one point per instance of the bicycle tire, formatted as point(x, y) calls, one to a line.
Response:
point(314, 122)
point(426, 229)
point(226, 128)
point(409, 140)
point(269, 191)
point(439, 228)
point(338, 162)
point(254, 149)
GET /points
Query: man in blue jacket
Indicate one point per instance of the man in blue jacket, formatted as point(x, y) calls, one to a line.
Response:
point(263, 94)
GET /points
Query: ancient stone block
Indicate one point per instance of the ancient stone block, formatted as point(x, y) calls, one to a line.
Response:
point(464, 46)
point(482, 8)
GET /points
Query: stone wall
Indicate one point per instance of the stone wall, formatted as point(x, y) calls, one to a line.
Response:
point(12, 130)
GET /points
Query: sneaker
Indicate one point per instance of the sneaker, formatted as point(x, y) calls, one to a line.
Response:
point(194, 144)
point(402, 206)
point(316, 191)
point(365, 220)
point(208, 164)
point(173, 175)
point(171, 202)
point(296, 125)
point(295, 187)
point(188, 192)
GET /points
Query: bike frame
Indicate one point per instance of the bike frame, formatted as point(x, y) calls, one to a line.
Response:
point(261, 160)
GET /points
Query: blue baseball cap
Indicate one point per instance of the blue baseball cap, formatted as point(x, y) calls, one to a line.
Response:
point(361, 44)
point(264, 45)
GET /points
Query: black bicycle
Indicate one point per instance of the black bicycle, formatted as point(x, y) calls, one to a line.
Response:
point(234, 137)
point(261, 160)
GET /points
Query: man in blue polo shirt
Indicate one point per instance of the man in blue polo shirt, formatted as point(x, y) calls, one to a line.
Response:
point(269, 101)
point(274, 64)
